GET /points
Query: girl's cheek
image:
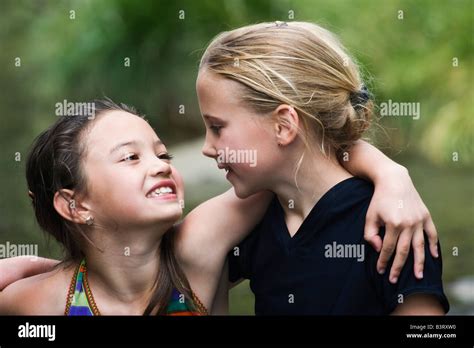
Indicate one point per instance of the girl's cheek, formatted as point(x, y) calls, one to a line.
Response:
point(178, 179)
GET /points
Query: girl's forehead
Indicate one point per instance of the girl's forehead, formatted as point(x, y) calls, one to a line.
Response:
point(115, 126)
point(217, 94)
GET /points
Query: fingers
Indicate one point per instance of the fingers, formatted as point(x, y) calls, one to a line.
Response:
point(371, 234)
point(430, 230)
point(388, 246)
point(403, 249)
point(419, 251)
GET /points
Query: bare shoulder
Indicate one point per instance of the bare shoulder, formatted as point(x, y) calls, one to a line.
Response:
point(42, 294)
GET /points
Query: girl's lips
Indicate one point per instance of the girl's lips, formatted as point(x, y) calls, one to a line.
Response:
point(227, 168)
point(224, 166)
point(162, 188)
point(165, 197)
point(165, 190)
point(229, 173)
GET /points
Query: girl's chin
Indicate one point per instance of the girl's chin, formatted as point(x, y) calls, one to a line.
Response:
point(241, 189)
point(168, 219)
point(243, 192)
point(168, 212)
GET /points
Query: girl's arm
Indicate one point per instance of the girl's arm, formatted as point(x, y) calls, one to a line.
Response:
point(220, 304)
point(419, 304)
point(205, 236)
point(19, 267)
point(395, 204)
point(217, 225)
point(214, 227)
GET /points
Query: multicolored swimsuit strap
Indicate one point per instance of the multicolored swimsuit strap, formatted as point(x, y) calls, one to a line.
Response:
point(81, 302)
point(180, 306)
point(79, 299)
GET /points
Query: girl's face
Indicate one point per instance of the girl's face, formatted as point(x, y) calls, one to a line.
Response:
point(130, 182)
point(242, 142)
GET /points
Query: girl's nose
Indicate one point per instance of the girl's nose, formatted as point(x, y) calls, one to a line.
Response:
point(160, 167)
point(209, 150)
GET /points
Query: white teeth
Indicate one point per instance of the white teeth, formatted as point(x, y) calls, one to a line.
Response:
point(162, 191)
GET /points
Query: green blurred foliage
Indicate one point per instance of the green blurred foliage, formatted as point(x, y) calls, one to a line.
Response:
point(405, 60)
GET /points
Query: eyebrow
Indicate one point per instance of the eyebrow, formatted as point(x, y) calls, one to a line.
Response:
point(210, 117)
point(133, 142)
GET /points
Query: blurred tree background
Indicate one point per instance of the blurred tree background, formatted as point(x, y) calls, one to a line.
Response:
point(79, 50)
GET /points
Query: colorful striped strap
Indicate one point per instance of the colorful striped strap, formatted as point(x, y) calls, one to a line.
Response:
point(81, 302)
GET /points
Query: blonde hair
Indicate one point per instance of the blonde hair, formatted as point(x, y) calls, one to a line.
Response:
point(300, 64)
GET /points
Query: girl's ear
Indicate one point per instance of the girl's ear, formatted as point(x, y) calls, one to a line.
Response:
point(286, 124)
point(70, 208)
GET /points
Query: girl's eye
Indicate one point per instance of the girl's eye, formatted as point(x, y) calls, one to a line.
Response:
point(130, 157)
point(215, 129)
point(165, 156)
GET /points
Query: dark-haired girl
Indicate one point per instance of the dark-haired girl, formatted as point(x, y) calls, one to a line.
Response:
point(105, 189)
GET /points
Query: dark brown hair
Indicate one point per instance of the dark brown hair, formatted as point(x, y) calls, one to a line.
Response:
point(54, 163)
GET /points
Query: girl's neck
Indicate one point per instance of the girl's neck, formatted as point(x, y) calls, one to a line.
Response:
point(122, 273)
point(316, 176)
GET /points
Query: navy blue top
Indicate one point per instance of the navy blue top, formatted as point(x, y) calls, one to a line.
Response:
point(326, 268)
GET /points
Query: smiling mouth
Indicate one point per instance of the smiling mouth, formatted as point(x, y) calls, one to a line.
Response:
point(228, 171)
point(161, 191)
point(165, 188)
point(223, 166)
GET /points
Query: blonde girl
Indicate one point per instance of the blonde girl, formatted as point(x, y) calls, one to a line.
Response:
point(291, 93)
